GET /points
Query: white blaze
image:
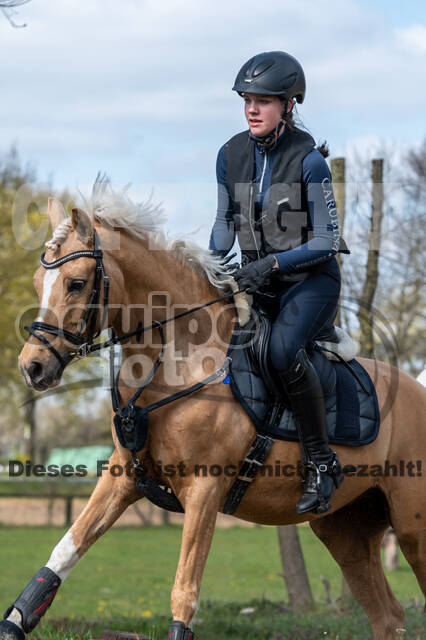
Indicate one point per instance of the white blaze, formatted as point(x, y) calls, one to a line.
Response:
point(48, 282)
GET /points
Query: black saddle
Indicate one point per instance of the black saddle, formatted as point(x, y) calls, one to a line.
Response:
point(349, 394)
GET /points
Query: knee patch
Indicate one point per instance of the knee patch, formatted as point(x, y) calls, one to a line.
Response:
point(282, 354)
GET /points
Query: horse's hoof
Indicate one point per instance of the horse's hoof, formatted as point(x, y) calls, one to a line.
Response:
point(10, 631)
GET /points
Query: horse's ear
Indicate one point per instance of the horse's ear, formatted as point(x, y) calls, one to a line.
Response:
point(55, 212)
point(82, 224)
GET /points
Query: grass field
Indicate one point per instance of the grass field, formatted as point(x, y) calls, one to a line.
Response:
point(124, 582)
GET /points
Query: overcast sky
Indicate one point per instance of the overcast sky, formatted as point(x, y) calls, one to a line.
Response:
point(142, 88)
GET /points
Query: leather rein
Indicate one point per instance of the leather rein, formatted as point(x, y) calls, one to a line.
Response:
point(131, 421)
point(87, 345)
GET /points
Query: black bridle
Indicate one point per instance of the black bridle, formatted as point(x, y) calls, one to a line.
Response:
point(87, 345)
point(87, 324)
point(131, 421)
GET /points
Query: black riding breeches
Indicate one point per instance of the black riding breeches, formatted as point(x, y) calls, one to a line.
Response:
point(304, 309)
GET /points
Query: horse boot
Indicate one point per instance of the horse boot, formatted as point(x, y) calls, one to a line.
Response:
point(322, 472)
point(178, 631)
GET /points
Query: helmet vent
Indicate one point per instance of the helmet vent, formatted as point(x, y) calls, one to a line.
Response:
point(262, 67)
point(289, 81)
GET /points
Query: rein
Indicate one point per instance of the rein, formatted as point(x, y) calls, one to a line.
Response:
point(88, 346)
point(131, 421)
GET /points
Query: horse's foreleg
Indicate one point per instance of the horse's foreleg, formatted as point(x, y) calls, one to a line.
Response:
point(201, 507)
point(110, 498)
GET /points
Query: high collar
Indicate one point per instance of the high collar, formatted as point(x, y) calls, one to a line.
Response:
point(263, 148)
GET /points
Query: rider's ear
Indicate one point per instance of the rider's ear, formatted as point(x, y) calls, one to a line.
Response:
point(55, 212)
point(82, 224)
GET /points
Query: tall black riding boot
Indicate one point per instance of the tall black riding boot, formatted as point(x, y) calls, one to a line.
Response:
point(322, 470)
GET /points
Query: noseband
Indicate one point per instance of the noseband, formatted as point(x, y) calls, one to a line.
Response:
point(90, 317)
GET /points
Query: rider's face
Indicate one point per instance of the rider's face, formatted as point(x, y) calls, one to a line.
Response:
point(262, 112)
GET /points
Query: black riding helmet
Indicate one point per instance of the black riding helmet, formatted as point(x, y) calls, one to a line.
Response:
point(273, 73)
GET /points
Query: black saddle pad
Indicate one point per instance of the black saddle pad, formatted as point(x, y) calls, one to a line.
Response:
point(353, 416)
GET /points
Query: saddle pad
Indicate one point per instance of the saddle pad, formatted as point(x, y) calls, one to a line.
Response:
point(353, 417)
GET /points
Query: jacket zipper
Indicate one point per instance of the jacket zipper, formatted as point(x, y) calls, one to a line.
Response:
point(263, 171)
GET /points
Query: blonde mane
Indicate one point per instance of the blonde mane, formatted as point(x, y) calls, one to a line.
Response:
point(115, 209)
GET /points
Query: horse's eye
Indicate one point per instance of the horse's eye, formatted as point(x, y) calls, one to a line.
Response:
point(76, 285)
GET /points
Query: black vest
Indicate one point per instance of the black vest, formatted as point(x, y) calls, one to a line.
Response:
point(285, 223)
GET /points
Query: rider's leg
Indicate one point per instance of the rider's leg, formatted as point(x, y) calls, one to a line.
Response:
point(305, 309)
point(322, 470)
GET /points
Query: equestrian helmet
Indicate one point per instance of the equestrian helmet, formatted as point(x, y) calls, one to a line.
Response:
point(274, 73)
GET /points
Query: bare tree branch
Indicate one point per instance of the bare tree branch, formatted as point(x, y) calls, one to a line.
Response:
point(7, 6)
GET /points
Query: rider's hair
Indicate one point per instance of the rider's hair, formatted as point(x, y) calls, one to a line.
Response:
point(290, 119)
point(293, 120)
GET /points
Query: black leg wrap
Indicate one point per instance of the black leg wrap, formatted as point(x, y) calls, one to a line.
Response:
point(10, 631)
point(178, 631)
point(36, 598)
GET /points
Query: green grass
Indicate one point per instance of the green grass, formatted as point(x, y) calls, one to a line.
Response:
point(46, 486)
point(126, 578)
point(270, 621)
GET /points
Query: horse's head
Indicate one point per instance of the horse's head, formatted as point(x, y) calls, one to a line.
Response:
point(69, 312)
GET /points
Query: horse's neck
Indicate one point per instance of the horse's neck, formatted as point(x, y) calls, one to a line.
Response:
point(158, 286)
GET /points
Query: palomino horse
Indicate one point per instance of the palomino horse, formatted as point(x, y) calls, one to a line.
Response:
point(208, 427)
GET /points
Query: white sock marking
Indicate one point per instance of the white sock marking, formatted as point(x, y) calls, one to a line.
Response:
point(64, 556)
point(15, 617)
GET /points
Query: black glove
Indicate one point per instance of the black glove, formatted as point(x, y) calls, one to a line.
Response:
point(255, 274)
point(226, 262)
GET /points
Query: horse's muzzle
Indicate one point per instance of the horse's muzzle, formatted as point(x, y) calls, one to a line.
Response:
point(39, 375)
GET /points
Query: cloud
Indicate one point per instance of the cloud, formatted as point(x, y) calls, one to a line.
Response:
point(143, 88)
point(412, 39)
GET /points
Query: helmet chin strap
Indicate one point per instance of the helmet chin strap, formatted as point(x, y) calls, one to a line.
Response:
point(270, 140)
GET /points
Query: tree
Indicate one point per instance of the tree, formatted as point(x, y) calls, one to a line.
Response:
point(23, 231)
point(389, 301)
point(8, 6)
point(365, 311)
point(295, 574)
point(16, 269)
point(401, 293)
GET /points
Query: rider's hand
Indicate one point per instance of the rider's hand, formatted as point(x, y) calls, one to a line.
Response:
point(255, 274)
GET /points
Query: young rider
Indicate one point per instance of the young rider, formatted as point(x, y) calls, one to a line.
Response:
point(275, 194)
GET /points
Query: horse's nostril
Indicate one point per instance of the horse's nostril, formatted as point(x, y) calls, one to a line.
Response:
point(35, 370)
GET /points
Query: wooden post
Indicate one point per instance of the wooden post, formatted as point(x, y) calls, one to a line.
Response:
point(295, 575)
point(30, 419)
point(68, 511)
point(338, 174)
point(365, 310)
